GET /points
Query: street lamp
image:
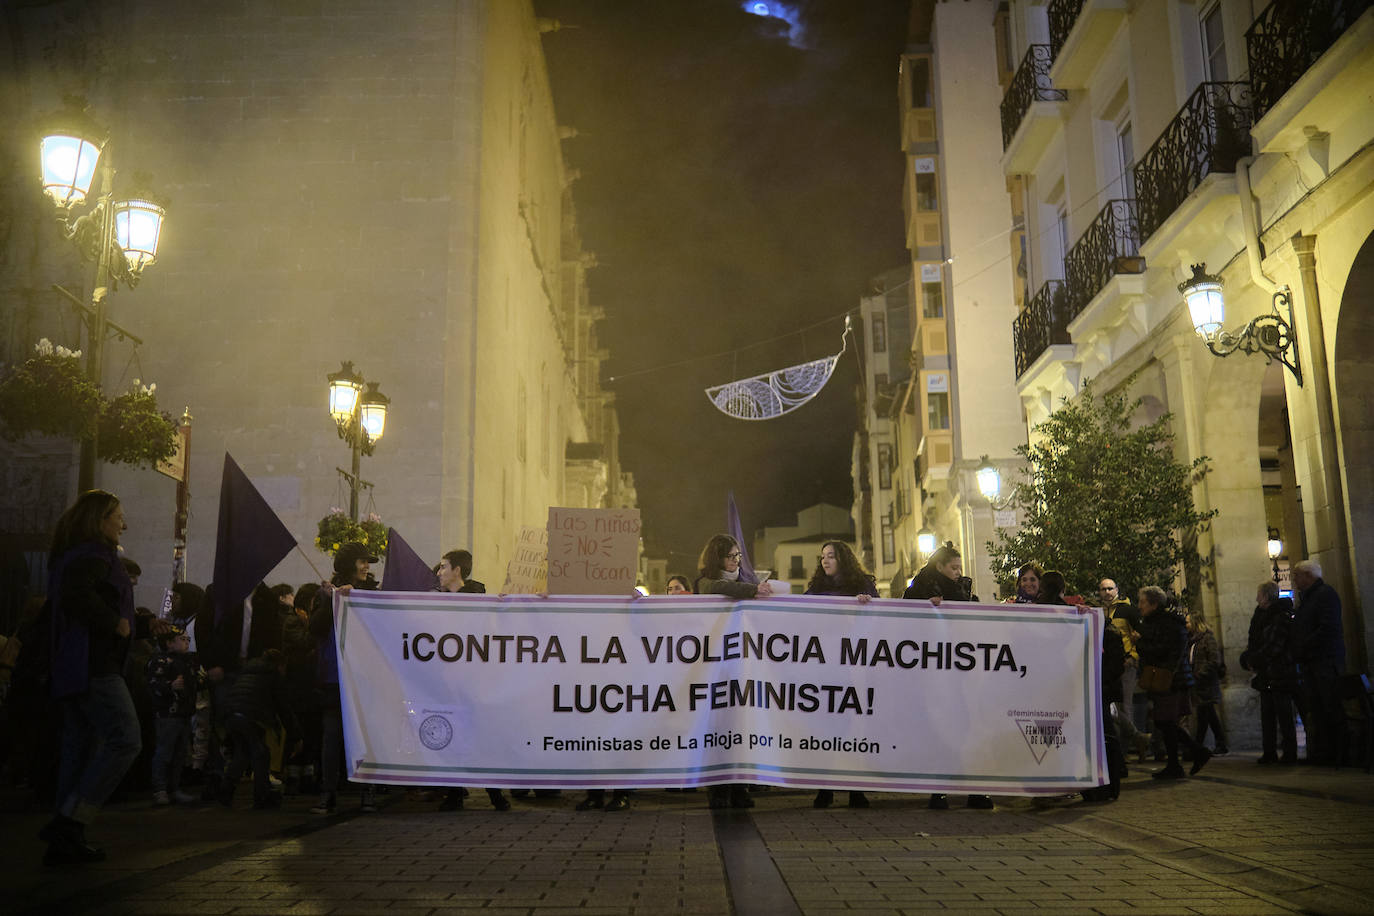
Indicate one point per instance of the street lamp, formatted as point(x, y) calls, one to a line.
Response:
point(1275, 547)
point(120, 235)
point(360, 418)
point(1267, 334)
point(925, 542)
point(989, 479)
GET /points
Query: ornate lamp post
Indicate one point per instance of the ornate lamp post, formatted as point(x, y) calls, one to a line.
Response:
point(120, 234)
point(1267, 334)
point(360, 418)
point(1275, 547)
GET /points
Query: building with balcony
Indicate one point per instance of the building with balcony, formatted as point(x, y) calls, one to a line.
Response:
point(380, 183)
point(935, 400)
point(1242, 138)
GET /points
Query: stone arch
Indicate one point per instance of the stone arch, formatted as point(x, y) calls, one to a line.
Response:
point(1353, 386)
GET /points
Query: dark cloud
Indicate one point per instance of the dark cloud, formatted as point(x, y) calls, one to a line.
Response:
point(735, 188)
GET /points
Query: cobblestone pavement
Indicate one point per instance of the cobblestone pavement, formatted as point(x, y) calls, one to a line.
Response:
point(1238, 839)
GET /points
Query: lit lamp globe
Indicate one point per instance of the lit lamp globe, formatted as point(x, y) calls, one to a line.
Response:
point(374, 412)
point(1275, 545)
point(68, 155)
point(989, 479)
point(1202, 293)
point(138, 228)
point(344, 388)
point(925, 542)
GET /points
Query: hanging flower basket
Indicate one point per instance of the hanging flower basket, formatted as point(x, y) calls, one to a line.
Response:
point(48, 394)
point(133, 431)
point(337, 529)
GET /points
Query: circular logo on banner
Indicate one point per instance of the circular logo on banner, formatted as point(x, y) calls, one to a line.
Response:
point(435, 733)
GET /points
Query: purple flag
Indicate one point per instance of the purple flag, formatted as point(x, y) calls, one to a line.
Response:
point(404, 570)
point(251, 540)
point(736, 531)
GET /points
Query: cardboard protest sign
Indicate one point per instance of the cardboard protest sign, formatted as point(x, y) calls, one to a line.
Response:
point(593, 551)
point(527, 572)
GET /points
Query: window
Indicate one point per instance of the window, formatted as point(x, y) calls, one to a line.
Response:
point(1125, 152)
point(1214, 45)
point(880, 381)
point(889, 544)
point(918, 74)
point(932, 292)
point(1061, 229)
point(937, 410)
point(879, 323)
point(927, 196)
point(798, 570)
point(884, 466)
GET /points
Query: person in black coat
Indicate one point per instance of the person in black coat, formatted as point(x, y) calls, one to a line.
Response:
point(940, 580)
point(1163, 643)
point(1269, 656)
point(1319, 649)
point(840, 572)
point(256, 703)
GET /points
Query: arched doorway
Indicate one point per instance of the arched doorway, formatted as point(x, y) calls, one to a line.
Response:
point(1353, 386)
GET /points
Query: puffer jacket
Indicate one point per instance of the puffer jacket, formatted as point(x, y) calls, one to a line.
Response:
point(930, 582)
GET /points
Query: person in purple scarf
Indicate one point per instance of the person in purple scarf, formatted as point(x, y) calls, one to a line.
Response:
point(92, 623)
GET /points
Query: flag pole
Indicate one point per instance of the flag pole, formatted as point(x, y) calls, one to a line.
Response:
point(311, 562)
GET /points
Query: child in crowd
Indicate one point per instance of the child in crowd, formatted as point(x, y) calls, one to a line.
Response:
point(173, 679)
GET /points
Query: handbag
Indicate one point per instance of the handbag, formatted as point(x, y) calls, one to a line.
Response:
point(1156, 680)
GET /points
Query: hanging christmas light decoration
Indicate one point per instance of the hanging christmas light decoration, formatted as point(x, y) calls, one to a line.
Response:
point(779, 392)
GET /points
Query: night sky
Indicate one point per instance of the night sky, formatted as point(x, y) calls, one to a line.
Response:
point(741, 180)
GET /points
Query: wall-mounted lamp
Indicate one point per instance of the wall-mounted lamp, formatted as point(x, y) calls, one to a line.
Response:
point(1267, 334)
point(1275, 548)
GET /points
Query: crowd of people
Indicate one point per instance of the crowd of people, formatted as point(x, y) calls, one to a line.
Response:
point(206, 694)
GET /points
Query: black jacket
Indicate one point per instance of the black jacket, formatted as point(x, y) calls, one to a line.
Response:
point(1163, 643)
point(164, 668)
point(1113, 664)
point(1318, 642)
point(930, 582)
point(259, 694)
point(1268, 651)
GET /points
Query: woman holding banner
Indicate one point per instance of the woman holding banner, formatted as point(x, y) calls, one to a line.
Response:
point(718, 573)
point(839, 572)
point(942, 579)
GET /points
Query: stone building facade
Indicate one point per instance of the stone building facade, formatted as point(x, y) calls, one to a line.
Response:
point(1141, 139)
point(367, 181)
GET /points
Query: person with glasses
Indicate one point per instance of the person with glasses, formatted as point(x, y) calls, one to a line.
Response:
point(839, 572)
point(718, 573)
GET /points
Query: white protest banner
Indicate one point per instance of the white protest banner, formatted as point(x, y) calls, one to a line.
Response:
point(527, 571)
point(472, 690)
point(593, 551)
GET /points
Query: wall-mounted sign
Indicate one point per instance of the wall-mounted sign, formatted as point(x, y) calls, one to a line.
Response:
point(936, 382)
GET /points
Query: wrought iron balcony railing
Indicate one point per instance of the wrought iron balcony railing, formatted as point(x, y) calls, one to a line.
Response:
point(1045, 321)
point(1062, 15)
point(1208, 135)
point(1030, 84)
point(1110, 246)
point(1288, 37)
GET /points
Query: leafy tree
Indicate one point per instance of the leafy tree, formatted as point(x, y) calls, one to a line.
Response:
point(1101, 499)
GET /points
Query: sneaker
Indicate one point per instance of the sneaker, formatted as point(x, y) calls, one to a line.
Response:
point(938, 803)
point(1220, 750)
point(1173, 771)
point(369, 800)
point(325, 806)
point(161, 798)
point(183, 798)
point(981, 802)
point(498, 801)
point(618, 802)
